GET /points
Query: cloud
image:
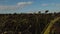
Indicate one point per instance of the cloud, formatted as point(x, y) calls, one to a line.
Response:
point(19, 5)
point(44, 4)
point(56, 4)
point(8, 7)
point(51, 4)
point(24, 3)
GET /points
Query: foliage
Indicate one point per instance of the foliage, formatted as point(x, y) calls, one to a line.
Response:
point(25, 23)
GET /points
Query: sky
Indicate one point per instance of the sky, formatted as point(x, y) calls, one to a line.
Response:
point(29, 6)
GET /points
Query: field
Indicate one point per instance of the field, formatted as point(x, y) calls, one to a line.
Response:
point(25, 23)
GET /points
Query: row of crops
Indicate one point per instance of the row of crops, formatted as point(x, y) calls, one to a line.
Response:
point(24, 23)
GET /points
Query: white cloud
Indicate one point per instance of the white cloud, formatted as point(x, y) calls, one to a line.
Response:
point(44, 4)
point(51, 4)
point(19, 5)
point(8, 7)
point(24, 3)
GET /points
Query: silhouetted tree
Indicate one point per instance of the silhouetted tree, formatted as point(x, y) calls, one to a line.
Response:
point(54, 12)
point(39, 12)
point(46, 11)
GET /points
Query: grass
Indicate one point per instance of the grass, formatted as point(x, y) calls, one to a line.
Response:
point(47, 30)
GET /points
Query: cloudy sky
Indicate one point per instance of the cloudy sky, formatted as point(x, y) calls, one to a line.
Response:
point(28, 6)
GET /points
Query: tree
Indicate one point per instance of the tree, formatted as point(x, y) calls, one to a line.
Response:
point(46, 11)
point(39, 12)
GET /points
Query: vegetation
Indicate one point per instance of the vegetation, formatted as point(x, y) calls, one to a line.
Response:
point(25, 23)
